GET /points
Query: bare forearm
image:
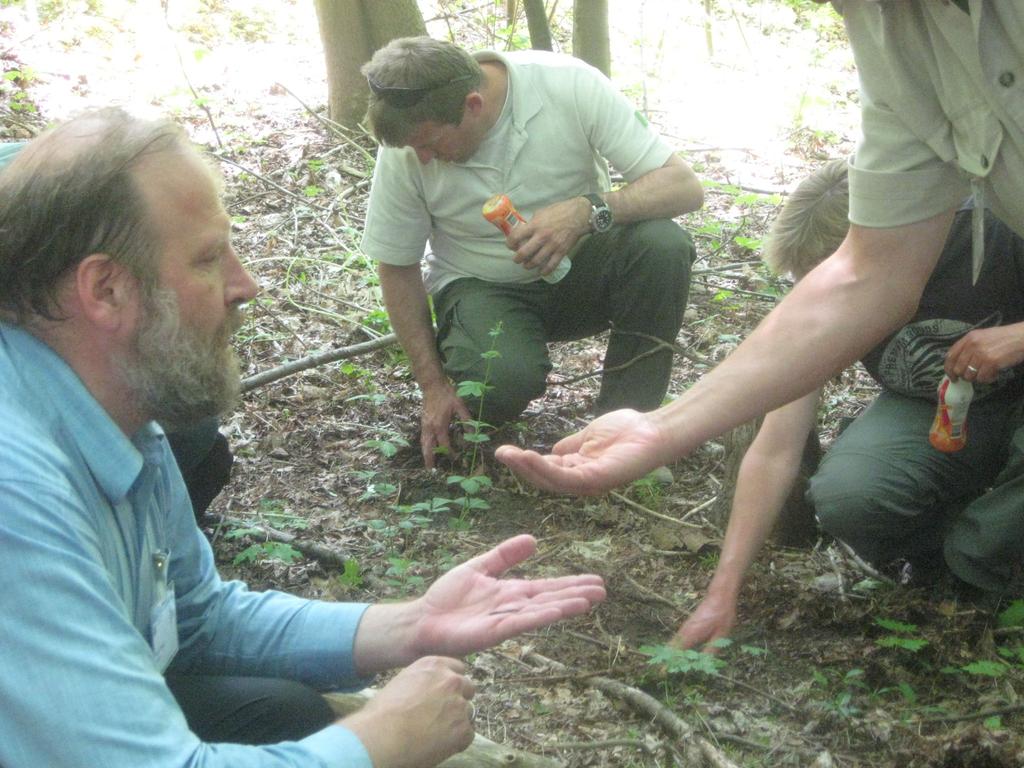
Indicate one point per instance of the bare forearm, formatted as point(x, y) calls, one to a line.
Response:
point(833, 316)
point(406, 302)
point(663, 193)
point(765, 480)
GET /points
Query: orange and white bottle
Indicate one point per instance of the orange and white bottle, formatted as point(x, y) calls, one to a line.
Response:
point(949, 430)
point(501, 213)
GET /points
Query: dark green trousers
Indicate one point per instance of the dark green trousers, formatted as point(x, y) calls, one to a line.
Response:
point(633, 278)
point(887, 493)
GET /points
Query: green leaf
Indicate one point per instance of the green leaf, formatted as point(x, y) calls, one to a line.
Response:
point(908, 692)
point(471, 389)
point(896, 626)
point(1013, 616)
point(912, 644)
point(986, 668)
point(351, 576)
point(278, 550)
point(680, 661)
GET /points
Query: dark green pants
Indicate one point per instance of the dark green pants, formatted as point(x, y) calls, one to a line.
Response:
point(887, 493)
point(634, 278)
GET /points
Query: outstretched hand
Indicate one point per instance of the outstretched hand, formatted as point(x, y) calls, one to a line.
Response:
point(471, 607)
point(613, 450)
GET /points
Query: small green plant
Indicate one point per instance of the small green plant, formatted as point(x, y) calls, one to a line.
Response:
point(267, 550)
point(387, 447)
point(905, 639)
point(13, 89)
point(841, 701)
point(648, 490)
point(476, 433)
point(400, 574)
point(679, 661)
point(351, 577)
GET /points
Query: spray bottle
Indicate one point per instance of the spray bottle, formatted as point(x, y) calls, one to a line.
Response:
point(501, 213)
point(949, 430)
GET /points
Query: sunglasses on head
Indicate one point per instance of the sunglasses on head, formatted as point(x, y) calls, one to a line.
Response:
point(402, 98)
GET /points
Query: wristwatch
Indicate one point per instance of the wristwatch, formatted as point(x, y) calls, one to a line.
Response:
point(601, 218)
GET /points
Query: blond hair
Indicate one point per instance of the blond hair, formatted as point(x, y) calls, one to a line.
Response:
point(813, 222)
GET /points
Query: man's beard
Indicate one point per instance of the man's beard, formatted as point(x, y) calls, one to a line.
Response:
point(177, 375)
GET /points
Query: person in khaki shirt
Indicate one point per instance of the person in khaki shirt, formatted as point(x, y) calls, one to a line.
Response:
point(918, 156)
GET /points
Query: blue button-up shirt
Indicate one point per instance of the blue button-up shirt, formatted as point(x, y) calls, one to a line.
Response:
point(83, 509)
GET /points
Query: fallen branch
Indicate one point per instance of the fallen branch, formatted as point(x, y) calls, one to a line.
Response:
point(577, 745)
point(325, 555)
point(687, 740)
point(482, 753)
point(647, 511)
point(1007, 710)
point(312, 361)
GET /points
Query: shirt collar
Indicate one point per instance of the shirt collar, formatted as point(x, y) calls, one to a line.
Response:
point(50, 386)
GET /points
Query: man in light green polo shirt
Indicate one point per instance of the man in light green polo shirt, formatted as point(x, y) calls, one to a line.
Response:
point(541, 129)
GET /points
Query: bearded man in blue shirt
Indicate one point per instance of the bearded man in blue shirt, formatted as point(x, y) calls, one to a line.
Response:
point(119, 293)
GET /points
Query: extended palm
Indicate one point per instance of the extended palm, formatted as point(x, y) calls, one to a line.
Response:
point(471, 607)
point(613, 450)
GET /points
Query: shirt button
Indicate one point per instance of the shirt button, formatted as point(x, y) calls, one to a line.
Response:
point(1007, 79)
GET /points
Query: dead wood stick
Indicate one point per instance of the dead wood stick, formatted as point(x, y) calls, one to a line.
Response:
point(1007, 710)
point(647, 511)
point(675, 726)
point(326, 555)
point(271, 183)
point(604, 744)
point(312, 361)
point(482, 753)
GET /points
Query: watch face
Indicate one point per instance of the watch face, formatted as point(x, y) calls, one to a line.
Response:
point(601, 219)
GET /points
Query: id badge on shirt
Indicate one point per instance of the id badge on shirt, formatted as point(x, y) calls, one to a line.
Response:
point(163, 619)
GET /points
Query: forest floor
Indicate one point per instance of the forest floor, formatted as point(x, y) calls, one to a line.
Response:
point(828, 665)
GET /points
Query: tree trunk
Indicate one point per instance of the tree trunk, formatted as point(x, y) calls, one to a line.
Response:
point(388, 19)
point(351, 30)
point(590, 34)
point(537, 21)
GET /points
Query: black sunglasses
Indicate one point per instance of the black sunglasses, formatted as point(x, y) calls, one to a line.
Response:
point(403, 98)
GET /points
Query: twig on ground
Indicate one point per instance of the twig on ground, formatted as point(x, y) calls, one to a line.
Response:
point(325, 555)
point(863, 566)
point(578, 745)
point(684, 735)
point(320, 358)
point(650, 594)
point(336, 128)
point(641, 508)
point(700, 507)
point(271, 183)
point(1007, 710)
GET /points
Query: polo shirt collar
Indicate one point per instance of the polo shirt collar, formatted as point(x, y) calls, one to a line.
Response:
point(525, 101)
point(113, 460)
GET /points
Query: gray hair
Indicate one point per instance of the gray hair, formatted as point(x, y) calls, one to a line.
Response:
point(442, 73)
point(813, 221)
point(73, 192)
